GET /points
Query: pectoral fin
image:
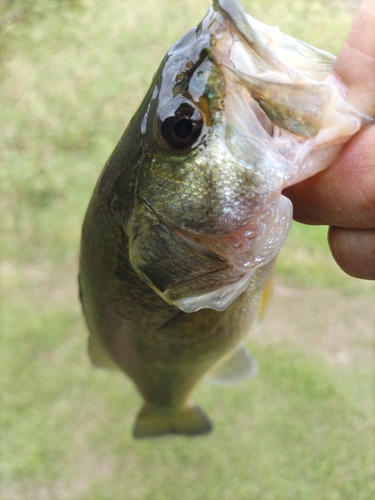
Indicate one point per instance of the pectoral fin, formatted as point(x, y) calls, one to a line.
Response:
point(236, 366)
point(98, 355)
point(263, 305)
point(152, 422)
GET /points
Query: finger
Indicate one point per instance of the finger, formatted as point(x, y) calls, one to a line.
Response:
point(354, 251)
point(344, 194)
point(355, 65)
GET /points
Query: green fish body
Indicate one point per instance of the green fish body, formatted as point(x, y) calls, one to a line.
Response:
point(187, 217)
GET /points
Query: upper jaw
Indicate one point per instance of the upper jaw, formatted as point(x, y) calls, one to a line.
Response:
point(299, 114)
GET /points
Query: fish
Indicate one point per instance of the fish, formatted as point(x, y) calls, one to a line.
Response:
point(187, 217)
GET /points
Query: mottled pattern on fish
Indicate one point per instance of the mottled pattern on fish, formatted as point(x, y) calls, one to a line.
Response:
point(185, 222)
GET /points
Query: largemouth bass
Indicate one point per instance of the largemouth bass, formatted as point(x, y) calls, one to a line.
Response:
point(187, 217)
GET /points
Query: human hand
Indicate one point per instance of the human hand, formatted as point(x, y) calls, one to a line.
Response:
point(343, 195)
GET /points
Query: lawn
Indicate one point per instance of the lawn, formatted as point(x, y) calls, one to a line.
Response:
point(73, 73)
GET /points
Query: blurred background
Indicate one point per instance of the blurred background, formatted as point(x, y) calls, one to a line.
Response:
point(73, 72)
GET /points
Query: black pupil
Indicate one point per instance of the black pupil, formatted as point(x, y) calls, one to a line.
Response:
point(182, 128)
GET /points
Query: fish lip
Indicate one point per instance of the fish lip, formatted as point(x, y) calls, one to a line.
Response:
point(219, 299)
point(240, 20)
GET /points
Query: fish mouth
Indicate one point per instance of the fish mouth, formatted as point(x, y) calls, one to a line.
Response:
point(257, 79)
point(277, 96)
point(265, 95)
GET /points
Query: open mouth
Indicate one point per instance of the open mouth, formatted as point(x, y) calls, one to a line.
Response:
point(278, 93)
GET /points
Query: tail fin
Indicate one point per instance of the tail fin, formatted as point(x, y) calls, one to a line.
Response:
point(189, 420)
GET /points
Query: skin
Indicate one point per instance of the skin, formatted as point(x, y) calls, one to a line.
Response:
point(343, 196)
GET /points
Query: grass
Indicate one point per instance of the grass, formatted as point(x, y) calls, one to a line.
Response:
point(73, 73)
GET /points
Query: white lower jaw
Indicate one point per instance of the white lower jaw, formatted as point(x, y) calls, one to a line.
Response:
point(218, 300)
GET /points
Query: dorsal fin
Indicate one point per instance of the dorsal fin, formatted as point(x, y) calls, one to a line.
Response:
point(237, 365)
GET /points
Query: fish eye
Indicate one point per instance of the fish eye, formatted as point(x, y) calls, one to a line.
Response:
point(182, 128)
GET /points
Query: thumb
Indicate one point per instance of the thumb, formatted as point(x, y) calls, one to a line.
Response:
point(355, 65)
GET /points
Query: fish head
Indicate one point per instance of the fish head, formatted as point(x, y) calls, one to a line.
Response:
point(208, 209)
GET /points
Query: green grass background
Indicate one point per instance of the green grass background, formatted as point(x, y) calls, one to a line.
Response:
point(72, 74)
